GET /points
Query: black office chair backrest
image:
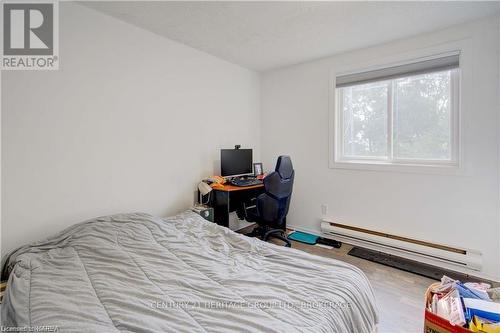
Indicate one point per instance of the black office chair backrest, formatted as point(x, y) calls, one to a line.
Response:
point(274, 203)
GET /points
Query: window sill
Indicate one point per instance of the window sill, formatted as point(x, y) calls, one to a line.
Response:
point(441, 169)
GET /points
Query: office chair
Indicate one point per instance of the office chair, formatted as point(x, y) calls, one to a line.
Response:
point(271, 207)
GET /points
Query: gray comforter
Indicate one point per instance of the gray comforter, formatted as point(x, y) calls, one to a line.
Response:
point(139, 273)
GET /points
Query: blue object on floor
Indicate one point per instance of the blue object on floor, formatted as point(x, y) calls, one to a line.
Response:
point(303, 237)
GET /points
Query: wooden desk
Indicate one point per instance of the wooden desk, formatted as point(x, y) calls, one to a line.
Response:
point(228, 198)
point(232, 188)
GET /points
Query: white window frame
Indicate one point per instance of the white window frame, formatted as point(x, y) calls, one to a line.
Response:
point(339, 160)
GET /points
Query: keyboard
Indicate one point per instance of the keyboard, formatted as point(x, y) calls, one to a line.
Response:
point(245, 181)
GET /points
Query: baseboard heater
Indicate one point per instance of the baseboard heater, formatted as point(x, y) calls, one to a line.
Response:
point(432, 253)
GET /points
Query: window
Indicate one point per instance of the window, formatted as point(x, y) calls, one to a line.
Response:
point(401, 115)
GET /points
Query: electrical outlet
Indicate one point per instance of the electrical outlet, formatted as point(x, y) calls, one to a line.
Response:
point(324, 209)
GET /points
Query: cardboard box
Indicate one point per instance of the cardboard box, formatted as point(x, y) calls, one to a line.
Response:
point(435, 324)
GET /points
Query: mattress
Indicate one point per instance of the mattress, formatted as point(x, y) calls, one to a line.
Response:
point(140, 273)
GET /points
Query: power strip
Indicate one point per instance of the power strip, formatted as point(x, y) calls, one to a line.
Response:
point(330, 242)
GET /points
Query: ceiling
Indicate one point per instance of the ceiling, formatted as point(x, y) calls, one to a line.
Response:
point(267, 35)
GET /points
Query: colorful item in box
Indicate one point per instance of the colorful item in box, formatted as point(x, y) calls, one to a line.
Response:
point(466, 292)
point(450, 307)
point(483, 309)
point(482, 325)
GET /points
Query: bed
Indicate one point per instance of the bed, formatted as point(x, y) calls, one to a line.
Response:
point(140, 273)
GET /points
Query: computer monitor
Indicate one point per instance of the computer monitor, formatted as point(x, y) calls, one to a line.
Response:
point(236, 162)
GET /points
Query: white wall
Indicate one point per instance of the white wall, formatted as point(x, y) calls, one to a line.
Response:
point(131, 122)
point(460, 210)
point(498, 107)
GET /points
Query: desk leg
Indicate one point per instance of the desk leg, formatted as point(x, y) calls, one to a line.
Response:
point(228, 210)
point(221, 207)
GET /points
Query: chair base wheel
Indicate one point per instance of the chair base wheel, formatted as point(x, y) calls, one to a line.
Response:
point(279, 234)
